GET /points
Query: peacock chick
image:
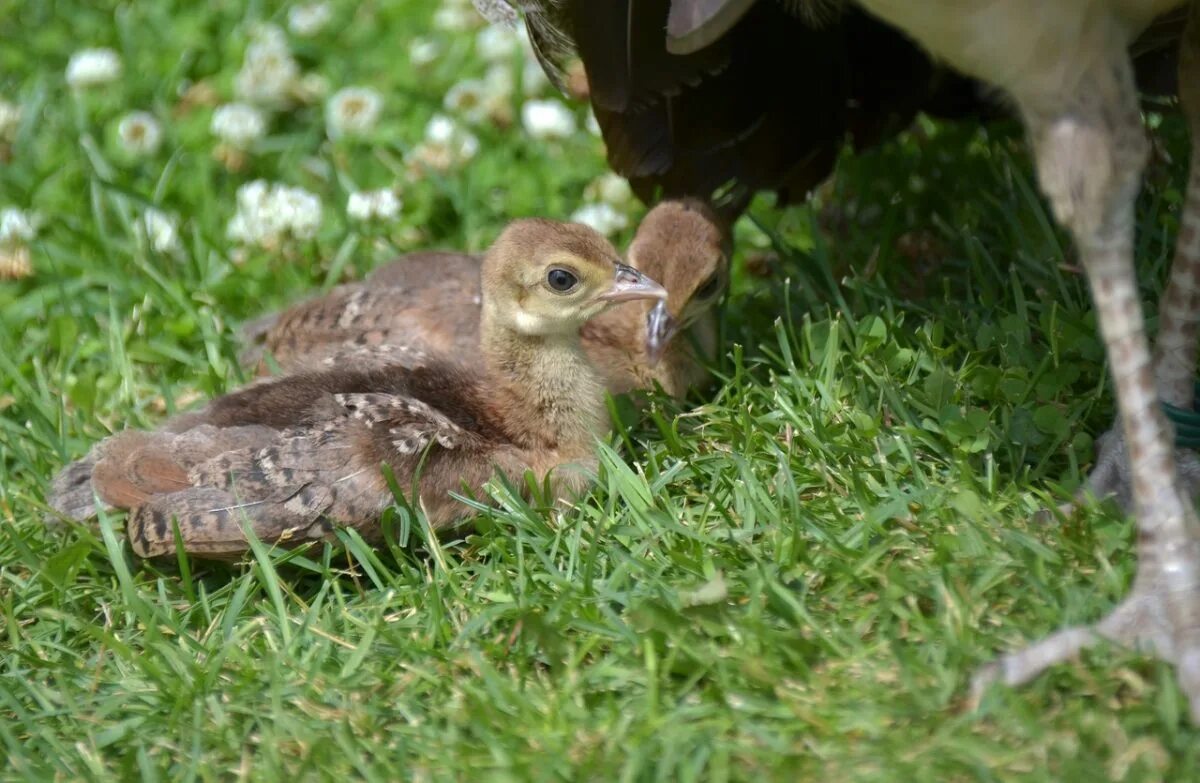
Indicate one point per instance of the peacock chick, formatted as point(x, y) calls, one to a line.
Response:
point(291, 457)
point(672, 342)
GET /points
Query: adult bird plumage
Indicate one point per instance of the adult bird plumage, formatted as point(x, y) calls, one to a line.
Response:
point(754, 95)
point(765, 106)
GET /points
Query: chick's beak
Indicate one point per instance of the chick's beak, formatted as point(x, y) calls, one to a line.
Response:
point(629, 284)
point(661, 327)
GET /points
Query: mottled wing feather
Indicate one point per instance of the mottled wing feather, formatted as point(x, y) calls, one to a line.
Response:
point(428, 301)
point(412, 426)
point(390, 350)
point(331, 470)
point(289, 491)
point(211, 521)
point(338, 316)
point(288, 456)
point(127, 468)
point(293, 458)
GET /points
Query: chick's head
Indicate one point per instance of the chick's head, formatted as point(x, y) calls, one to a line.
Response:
point(685, 245)
point(544, 278)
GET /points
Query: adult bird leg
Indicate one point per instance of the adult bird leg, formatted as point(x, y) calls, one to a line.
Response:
point(1179, 317)
point(1091, 150)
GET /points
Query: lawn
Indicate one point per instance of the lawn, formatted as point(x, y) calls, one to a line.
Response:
point(792, 576)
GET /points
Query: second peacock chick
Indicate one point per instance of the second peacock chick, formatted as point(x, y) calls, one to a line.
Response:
point(294, 455)
point(428, 304)
point(671, 342)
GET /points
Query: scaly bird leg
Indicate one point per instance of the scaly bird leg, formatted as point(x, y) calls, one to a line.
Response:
point(1179, 319)
point(1090, 150)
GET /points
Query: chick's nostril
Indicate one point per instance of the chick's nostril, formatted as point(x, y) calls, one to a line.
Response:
point(627, 274)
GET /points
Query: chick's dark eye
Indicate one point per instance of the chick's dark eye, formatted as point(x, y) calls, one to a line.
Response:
point(710, 287)
point(562, 280)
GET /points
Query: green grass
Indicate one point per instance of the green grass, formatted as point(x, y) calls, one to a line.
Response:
point(793, 578)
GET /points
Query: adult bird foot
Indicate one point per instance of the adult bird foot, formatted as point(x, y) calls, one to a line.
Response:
point(1160, 617)
point(1110, 476)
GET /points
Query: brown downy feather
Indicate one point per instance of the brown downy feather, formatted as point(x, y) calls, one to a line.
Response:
point(411, 296)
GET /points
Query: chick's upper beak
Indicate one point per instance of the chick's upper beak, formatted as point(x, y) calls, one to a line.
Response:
point(661, 327)
point(629, 284)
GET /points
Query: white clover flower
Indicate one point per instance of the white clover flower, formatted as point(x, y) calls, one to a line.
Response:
point(299, 211)
point(456, 16)
point(470, 99)
point(161, 231)
point(10, 118)
point(270, 213)
point(440, 129)
point(309, 19)
point(602, 217)
point(443, 130)
point(423, 51)
point(373, 205)
point(499, 80)
point(140, 133)
point(238, 124)
point(547, 119)
point(609, 188)
point(352, 111)
point(90, 67)
point(17, 226)
point(446, 145)
point(533, 79)
point(499, 84)
point(496, 43)
point(311, 87)
point(248, 223)
point(269, 72)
